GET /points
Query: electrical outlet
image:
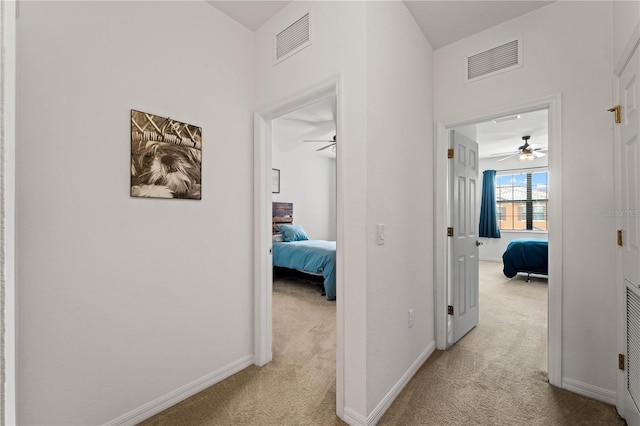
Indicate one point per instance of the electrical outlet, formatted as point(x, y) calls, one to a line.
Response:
point(380, 234)
point(410, 317)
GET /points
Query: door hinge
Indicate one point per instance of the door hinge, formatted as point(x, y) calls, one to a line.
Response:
point(449, 232)
point(449, 310)
point(616, 111)
point(450, 153)
point(619, 237)
point(621, 362)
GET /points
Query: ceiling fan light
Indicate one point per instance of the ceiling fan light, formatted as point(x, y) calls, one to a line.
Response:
point(528, 156)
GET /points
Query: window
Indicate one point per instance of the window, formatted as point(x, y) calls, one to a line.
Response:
point(522, 199)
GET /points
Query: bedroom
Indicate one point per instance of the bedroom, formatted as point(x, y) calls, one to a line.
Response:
point(509, 231)
point(304, 181)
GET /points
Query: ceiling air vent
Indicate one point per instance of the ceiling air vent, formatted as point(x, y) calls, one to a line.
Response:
point(292, 39)
point(493, 61)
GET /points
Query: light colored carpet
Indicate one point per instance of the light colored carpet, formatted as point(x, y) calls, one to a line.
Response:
point(296, 388)
point(495, 375)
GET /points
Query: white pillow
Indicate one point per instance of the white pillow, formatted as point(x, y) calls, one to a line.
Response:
point(277, 238)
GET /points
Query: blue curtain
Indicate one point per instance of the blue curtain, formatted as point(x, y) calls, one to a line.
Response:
point(488, 214)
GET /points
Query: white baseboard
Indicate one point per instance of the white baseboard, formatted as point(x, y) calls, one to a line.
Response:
point(353, 418)
point(590, 391)
point(172, 398)
point(384, 405)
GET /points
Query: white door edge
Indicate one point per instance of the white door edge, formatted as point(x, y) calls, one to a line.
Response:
point(630, 49)
point(553, 103)
point(262, 231)
point(8, 145)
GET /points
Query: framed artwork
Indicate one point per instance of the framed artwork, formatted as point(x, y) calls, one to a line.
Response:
point(275, 181)
point(166, 157)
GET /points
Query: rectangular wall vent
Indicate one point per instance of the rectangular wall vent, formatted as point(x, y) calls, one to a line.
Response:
point(292, 39)
point(633, 345)
point(493, 61)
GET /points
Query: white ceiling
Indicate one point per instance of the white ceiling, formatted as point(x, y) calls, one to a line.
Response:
point(506, 136)
point(251, 14)
point(314, 122)
point(442, 22)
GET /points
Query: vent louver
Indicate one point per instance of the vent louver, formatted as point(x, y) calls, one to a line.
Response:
point(292, 39)
point(633, 345)
point(499, 59)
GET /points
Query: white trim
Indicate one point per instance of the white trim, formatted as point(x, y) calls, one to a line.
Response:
point(158, 405)
point(590, 391)
point(262, 235)
point(621, 318)
point(627, 53)
point(553, 104)
point(489, 259)
point(262, 242)
point(621, 327)
point(353, 418)
point(377, 413)
point(8, 15)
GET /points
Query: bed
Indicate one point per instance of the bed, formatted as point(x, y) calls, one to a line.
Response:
point(292, 249)
point(528, 255)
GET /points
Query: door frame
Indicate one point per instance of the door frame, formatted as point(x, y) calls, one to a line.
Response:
point(8, 16)
point(441, 267)
point(263, 274)
point(621, 336)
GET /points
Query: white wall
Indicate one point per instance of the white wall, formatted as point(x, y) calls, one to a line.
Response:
point(399, 195)
point(493, 248)
point(123, 300)
point(385, 144)
point(307, 179)
point(338, 48)
point(573, 57)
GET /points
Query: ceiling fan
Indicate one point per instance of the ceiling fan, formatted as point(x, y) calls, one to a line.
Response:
point(331, 145)
point(525, 152)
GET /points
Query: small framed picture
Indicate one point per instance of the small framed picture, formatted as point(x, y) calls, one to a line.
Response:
point(275, 181)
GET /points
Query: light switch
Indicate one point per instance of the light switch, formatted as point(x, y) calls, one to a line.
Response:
point(380, 234)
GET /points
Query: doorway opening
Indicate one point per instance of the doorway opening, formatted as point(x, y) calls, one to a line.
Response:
point(551, 105)
point(506, 215)
point(266, 123)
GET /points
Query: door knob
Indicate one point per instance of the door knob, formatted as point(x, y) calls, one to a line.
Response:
point(479, 243)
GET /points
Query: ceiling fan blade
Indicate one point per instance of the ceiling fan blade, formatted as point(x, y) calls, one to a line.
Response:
point(325, 147)
point(504, 153)
point(317, 140)
point(509, 156)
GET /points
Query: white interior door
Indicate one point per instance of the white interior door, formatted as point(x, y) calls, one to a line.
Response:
point(629, 204)
point(463, 296)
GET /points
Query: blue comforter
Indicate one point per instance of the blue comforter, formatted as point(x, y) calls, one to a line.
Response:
point(526, 255)
point(314, 256)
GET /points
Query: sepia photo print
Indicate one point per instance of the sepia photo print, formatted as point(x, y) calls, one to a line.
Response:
point(166, 157)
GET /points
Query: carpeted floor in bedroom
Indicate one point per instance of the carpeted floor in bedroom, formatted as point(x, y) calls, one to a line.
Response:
point(495, 375)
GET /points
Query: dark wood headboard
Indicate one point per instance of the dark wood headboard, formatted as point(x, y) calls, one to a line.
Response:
point(282, 213)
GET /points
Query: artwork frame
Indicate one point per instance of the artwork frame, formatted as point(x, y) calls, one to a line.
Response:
point(166, 157)
point(275, 181)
